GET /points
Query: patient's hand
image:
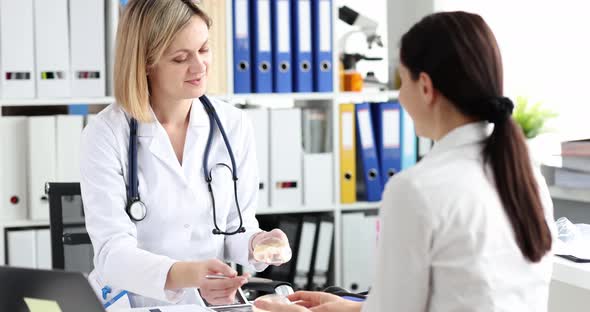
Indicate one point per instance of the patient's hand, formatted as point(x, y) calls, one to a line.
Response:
point(261, 305)
point(311, 301)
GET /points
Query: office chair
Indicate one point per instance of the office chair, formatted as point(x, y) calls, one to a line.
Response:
point(71, 249)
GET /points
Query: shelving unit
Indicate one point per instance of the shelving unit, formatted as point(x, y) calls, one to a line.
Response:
point(330, 100)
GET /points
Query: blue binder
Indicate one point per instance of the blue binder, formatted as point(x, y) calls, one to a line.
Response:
point(242, 63)
point(261, 46)
point(322, 45)
point(282, 81)
point(368, 175)
point(387, 129)
point(408, 139)
point(301, 47)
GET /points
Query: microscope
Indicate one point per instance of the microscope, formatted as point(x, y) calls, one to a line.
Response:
point(350, 79)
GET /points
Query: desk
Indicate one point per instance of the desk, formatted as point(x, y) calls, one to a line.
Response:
point(172, 308)
point(572, 273)
point(576, 275)
point(570, 286)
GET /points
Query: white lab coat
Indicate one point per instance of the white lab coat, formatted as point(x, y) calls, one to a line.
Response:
point(446, 243)
point(136, 256)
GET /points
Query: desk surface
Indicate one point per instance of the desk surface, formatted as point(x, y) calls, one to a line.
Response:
point(172, 308)
point(565, 271)
point(569, 272)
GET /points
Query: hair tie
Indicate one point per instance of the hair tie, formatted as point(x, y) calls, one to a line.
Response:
point(500, 109)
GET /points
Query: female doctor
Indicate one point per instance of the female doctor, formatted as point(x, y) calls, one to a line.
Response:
point(466, 229)
point(168, 177)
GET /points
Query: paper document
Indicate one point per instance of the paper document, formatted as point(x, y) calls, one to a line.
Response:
point(40, 305)
point(172, 308)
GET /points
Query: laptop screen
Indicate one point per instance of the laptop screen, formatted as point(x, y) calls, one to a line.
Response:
point(70, 291)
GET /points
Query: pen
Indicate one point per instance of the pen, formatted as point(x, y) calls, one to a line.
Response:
point(250, 279)
point(216, 276)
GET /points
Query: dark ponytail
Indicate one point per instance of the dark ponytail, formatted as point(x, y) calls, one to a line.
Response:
point(460, 54)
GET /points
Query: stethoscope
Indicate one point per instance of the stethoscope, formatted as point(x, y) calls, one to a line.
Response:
point(137, 210)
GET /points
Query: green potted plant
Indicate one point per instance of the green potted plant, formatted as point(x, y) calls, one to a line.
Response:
point(532, 119)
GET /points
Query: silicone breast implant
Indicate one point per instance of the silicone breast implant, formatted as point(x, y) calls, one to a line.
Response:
point(272, 251)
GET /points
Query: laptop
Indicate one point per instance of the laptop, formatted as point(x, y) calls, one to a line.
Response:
point(69, 290)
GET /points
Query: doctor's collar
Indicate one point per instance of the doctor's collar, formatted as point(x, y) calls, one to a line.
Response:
point(198, 118)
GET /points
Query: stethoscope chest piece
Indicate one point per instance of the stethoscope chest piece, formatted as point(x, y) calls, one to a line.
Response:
point(137, 210)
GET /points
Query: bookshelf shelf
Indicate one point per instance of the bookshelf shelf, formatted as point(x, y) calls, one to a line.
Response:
point(253, 97)
point(367, 96)
point(360, 206)
point(57, 102)
point(579, 195)
point(23, 223)
point(371, 96)
point(272, 211)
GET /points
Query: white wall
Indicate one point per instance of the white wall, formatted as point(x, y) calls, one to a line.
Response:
point(546, 53)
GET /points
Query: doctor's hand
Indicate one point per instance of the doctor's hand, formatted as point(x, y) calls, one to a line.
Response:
point(270, 247)
point(194, 274)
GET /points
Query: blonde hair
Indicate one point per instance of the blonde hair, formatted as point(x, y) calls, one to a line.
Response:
point(146, 29)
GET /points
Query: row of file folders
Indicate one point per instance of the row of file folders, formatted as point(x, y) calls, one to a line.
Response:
point(294, 157)
point(36, 150)
point(39, 149)
point(282, 46)
point(377, 141)
point(52, 48)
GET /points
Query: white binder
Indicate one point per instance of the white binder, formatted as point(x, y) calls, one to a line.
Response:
point(323, 255)
point(17, 59)
point(359, 240)
point(13, 168)
point(69, 131)
point(43, 249)
point(285, 158)
point(52, 52)
point(318, 180)
point(42, 163)
point(22, 249)
point(260, 121)
point(305, 253)
point(87, 47)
